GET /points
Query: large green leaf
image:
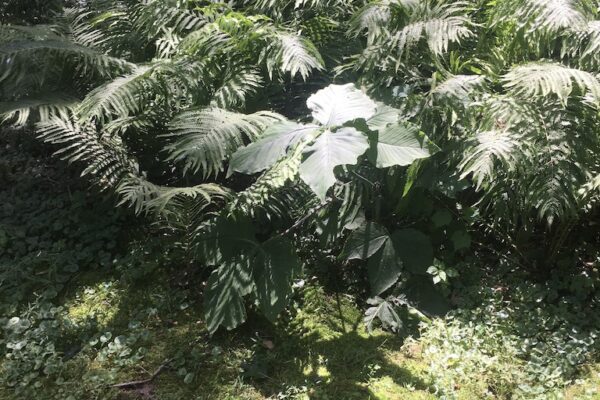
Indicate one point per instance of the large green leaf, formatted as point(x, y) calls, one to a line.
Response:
point(274, 267)
point(383, 268)
point(400, 144)
point(422, 293)
point(384, 116)
point(365, 241)
point(223, 296)
point(273, 145)
point(328, 151)
point(224, 239)
point(414, 249)
point(337, 104)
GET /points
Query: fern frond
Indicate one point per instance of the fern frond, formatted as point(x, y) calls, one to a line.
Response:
point(236, 87)
point(207, 41)
point(107, 161)
point(205, 138)
point(372, 18)
point(152, 16)
point(553, 195)
point(171, 81)
point(457, 88)
point(18, 112)
point(493, 148)
point(439, 25)
point(291, 54)
point(271, 195)
point(145, 197)
point(585, 43)
point(119, 97)
point(553, 15)
point(375, 16)
point(167, 43)
point(16, 53)
point(540, 79)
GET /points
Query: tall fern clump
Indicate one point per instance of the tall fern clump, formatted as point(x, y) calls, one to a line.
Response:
point(508, 89)
point(241, 126)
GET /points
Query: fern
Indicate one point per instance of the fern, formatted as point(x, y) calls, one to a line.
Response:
point(493, 148)
point(206, 138)
point(13, 54)
point(291, 53)
point(542, 79)
point(457, 88)
point(146, 197)
point(236, 87)
point(439, 25)
point(549, 15)
point(18, 112)
point(105, 159)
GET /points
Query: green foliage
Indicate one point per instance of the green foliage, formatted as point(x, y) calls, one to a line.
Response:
point(406, 137)
point(529, 346)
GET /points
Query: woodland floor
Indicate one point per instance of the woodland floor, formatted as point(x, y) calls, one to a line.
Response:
point(135, 315)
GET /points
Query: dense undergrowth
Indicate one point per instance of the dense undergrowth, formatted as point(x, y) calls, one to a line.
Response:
point(89, 311)
point(328, 199)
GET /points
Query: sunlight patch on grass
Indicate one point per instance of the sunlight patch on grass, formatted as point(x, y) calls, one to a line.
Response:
point(99, 301)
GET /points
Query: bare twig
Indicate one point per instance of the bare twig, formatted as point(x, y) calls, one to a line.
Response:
point(126, 385)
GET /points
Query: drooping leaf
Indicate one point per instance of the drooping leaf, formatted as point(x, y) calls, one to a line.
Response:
point(224, 239)
point(274, 267)
point(383, 311)
point(414, 249)
point(270, 147)
point(223, 296)
point(441, 218)
point(461, 240)
point(384, 116)
point(401, 144)
point(383, 268)
point(545, 78)
point(365, 241)
point(328, 151)
point(337, 104)
point(422, 293)
point(205, 138)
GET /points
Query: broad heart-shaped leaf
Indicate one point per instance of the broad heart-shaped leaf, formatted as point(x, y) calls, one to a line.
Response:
point(383, 268)
point(328, 151)
point(365, 241)
point(272, 145)
point(274, 267)
point(223, 296)
point(400, 144)
point(337, 104)
point(414, 249)
point(384, 116)
point(421, 292)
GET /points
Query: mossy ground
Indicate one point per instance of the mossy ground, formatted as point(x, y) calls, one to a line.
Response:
point(320, 351)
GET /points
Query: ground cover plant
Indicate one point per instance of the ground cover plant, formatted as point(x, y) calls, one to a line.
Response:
point(310, 199)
